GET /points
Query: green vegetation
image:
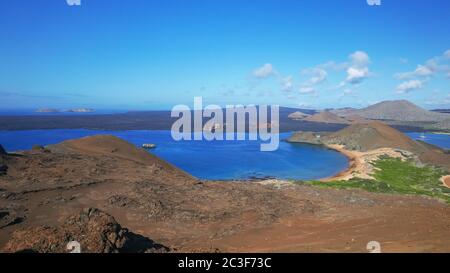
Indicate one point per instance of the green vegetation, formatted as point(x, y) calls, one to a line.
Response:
point(392, 175)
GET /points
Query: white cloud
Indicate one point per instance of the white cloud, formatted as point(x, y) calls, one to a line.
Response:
point(332, 65)
point(307, 90)
point(431, 67)
point(264, 71)
point(319, 75)
point(287, 84)
point(447, 54)
point(360, 58)
point(421, 71)
point(358, 69)
point(409, 86)
point(356, 75)
point(347, 92)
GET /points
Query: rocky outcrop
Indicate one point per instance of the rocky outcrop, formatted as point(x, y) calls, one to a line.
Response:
point(307, 137)
point(3, 166)
point(2, 151)
point(93, 229)
point(9, 217)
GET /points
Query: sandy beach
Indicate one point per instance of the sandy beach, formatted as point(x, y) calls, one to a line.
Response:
point(360, 162)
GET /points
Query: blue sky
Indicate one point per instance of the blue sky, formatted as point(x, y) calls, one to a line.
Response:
point(143, 54)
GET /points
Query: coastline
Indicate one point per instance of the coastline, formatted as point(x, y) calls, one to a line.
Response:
point(440, 133)
point(360, 162)
point(354, 164)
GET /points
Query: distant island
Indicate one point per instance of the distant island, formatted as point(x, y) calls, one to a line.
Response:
point(73, 110)
point(81, 110)
point(402, 115)
point(394, 113)
point(47, 110)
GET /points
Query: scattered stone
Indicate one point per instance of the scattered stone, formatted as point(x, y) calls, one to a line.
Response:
point(93, 229)
point(3, 169)
point(122, 201)
point(9, 218)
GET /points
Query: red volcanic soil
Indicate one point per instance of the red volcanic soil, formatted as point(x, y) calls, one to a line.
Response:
point(44, 191)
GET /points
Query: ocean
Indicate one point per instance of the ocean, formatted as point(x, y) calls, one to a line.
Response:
point(214, 160)
point(217, 160)
point(441, 140)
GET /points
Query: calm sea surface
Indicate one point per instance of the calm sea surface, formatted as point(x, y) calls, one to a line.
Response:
point(207, 159)
point(440, 140)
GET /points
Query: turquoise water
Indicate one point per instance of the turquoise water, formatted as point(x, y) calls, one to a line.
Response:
point(222, 160)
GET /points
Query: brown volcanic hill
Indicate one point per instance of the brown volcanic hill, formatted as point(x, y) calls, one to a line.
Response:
point(326, 117)
point(398, 110)
point(108, 145)
point(374, 135)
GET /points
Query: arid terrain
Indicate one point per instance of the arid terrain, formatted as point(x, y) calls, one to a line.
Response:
point(367, 137)
point(113, 197)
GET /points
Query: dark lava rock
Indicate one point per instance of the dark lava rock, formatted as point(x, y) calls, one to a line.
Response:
point(2, 150)
point(3, 169)
point(94, 230)
point(9, 218)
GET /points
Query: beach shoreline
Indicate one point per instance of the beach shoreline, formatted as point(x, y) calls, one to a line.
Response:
point(360, 163)
point(354, 164)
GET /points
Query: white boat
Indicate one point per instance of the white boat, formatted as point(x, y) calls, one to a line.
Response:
point(148, 146)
